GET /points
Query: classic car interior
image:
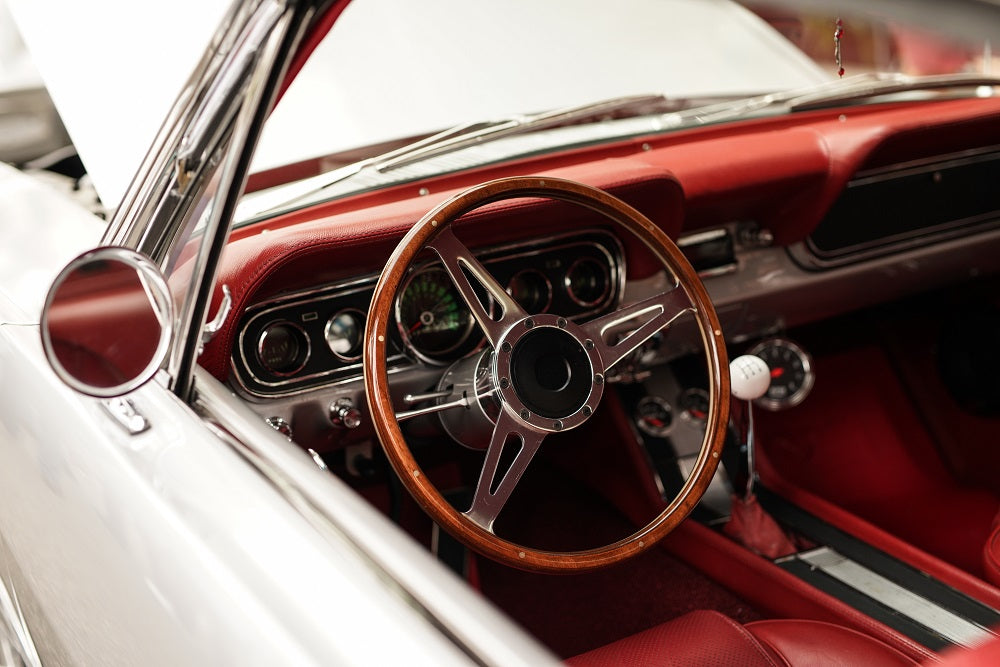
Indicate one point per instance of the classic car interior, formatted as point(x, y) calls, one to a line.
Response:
point(706, 379)
point(713, 389)
point(854, 249)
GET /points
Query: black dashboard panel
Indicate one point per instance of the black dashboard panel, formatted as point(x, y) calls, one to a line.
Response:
point(910, 204)
point(312, 338)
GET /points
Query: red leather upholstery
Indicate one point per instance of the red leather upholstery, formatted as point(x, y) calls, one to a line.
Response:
point(709, 638)
point(991, 554)
point(698, 638)
point(816, 644)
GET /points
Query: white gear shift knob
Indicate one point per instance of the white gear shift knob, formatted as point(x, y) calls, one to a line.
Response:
point(749, 377)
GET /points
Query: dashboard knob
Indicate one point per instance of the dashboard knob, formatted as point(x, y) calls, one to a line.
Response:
point(343, 414)
point(749, 377)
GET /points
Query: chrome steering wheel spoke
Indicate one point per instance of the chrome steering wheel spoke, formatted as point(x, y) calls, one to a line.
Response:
point(463, 268)
point(656, 313)
point(495, 485)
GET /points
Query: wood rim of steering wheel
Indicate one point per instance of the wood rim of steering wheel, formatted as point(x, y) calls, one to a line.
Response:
point(380, 318)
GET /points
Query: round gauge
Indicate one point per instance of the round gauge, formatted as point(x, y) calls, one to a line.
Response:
point(432, 317)
point(791, 373)
point(654, 416)
point(343, 334)
point(694, 404)
point(587, 282)
point(532, 290)
point(283, 348)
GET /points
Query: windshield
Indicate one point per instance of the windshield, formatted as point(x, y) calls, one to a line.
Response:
point(390, 73)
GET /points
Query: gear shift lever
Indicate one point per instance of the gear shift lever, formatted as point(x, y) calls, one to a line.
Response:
point(749, 523)
point(749, 379)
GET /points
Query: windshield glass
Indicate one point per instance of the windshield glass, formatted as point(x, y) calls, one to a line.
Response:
point(390, 73)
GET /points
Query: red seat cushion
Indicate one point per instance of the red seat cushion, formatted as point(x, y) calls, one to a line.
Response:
point(699, 638)
point(816, 644)
point(991, 554)
point(709, 638)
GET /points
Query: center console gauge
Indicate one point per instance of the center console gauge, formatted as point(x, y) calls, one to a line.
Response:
point(694, 403)
point(791, 370)
point(654, 416)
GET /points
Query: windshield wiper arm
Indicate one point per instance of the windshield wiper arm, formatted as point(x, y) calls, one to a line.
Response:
point(873, 85)
point(457, 138)
point(853, 88)
point(471, 134)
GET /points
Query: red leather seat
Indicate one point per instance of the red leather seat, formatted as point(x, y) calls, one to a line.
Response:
point(709, 638)
point(991, 554)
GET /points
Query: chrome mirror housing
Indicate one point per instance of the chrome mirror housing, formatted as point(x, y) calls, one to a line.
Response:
point(107, 322)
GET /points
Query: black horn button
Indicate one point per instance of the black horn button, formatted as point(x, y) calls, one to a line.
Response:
point(551, 373)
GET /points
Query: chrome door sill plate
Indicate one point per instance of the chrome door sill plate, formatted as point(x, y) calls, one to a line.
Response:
point(885, 588)
point(949, 625)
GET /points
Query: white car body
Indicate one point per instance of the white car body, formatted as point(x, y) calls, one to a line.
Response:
point(185, 552)
point(205, 538)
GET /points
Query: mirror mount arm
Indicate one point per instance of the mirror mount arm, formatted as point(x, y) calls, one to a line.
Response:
point(213, 327)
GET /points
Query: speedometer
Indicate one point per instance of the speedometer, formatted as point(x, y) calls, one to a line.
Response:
point(433, 320)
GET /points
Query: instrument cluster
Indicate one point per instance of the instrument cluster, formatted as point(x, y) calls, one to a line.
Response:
point(314, 338)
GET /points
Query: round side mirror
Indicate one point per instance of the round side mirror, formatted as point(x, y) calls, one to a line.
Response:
point(107, 322)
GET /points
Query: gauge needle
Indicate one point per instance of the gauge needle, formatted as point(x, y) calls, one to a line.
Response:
point(417, 325)
point(777, 372)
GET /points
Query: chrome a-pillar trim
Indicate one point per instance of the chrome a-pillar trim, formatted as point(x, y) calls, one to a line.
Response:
point(197, 166)
point(226, 183)
point(145, 211)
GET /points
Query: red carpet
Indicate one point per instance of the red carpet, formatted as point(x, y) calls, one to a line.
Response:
point(857, 441)
point(574, 613)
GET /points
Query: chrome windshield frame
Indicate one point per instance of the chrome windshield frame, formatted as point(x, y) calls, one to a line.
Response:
point(186, 189)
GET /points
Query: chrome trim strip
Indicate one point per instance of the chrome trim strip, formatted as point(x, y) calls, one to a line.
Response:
point(946, 623)
point(702, 237)
point(305, 295)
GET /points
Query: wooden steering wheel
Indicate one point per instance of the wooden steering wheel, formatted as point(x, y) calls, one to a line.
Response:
point(527, 406)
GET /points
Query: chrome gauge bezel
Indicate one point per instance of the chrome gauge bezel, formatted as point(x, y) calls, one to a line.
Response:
point(256, 381)
point(661, 404)
point(809, 377)
point(302, 359)
point(546, 283)
point(438, 357)
point(606, 282)
point(328, 333)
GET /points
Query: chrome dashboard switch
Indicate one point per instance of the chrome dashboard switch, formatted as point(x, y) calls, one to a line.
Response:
point(343, 414)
